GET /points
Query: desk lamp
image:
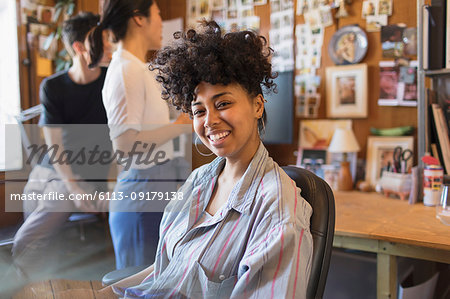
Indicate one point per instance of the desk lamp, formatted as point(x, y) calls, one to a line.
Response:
point(344, 141)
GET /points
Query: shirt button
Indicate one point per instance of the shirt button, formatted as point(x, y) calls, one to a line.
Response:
point(221, 277)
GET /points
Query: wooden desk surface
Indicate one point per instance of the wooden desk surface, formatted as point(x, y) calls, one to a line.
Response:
point(374, 216)
point(61, 289)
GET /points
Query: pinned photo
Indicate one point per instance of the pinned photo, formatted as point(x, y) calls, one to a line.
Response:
point(218, 4)
point(385, 7)
point(374, 23)
point(369, 8)
point(275, 6)
point(325, 16)
point(45, 14)
point(392, 41)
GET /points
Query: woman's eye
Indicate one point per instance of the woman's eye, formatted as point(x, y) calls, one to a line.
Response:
point(197, 112)
point(222, 104)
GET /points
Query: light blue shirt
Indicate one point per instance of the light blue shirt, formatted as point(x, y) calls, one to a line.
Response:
point(258, 245)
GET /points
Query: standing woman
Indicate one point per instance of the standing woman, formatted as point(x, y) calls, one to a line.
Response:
point(132, 99)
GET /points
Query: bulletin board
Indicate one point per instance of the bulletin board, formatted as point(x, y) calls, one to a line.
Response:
point(403, 11)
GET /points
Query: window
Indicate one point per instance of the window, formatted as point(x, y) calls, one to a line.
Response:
point(10, 144)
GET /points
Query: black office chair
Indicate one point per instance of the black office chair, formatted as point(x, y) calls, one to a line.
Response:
point(319, 195)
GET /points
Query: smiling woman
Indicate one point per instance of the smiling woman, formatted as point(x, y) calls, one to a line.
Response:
point(243, 229)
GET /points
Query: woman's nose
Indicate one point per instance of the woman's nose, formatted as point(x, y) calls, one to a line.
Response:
point(212, 118)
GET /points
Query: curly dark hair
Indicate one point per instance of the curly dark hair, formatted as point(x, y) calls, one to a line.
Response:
point(209, 56)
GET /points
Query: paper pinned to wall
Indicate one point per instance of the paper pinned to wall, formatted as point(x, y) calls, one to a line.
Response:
point(169, 28)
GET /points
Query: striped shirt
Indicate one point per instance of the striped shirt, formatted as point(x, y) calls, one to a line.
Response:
point(258, 245)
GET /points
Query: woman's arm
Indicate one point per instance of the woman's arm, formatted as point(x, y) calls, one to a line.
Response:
point(158, 136)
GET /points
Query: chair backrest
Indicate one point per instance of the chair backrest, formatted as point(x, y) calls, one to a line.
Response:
point(319, 195)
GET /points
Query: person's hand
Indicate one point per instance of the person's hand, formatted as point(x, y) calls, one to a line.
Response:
point(80, 198)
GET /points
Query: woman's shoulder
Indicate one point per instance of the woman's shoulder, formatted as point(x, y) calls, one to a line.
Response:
point(281, 198)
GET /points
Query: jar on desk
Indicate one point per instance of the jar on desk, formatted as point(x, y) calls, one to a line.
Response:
point(433, 176)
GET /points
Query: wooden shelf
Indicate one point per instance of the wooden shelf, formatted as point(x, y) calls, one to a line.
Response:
point(431, 73)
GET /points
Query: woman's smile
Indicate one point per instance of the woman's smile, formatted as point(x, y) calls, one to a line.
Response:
point(218, 137)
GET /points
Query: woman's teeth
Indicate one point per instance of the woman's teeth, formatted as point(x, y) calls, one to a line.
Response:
point(219, 136)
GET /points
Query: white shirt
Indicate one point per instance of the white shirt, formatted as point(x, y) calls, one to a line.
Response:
point(132, 99)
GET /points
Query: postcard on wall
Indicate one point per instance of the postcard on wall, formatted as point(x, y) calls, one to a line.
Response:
point(318, 133)
point(374, 23)
point(219, 4)
point(389, 88)
point(385, 7)
point(369, 8)
point(392, 41)
point(398, 84)
point(408, 78)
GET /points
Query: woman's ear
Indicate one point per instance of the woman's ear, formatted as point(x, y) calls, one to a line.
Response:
point(78, 47)
point(259, 105)
point(138, 20)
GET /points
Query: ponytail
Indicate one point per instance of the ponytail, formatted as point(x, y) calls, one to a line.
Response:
point(95, 39)
point(116, 14)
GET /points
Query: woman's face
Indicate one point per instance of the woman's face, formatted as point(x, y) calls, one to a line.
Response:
point(153, 26)
point(226, 118)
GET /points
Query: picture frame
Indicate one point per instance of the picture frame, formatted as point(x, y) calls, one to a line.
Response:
point(346, 88)
point(311, 155)
point(380, 151)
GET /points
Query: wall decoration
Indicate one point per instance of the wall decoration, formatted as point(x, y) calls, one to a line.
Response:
point(385, 7)
point(392, 41)
point(380, 152)
point(308, 46)
point(347, 91)
point(369, 8)
point(398, 84)
point(231, 15)
point(307, 105)
point(374, 23)
point(410, 41)
point(318, 133)
point(376, 13)
point(281, 35)
point(348, 45)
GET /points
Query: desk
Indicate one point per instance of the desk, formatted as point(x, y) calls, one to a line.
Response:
point(390, 228)
point(61, 289)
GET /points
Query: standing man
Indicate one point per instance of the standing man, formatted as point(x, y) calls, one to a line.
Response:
point(71, 100)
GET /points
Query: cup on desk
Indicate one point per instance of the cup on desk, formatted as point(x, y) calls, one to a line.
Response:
point(443, 208)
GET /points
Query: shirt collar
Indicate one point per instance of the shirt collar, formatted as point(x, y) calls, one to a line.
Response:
point(243, 193)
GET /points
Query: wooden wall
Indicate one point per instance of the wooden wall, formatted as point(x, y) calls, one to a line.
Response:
point(404, 11)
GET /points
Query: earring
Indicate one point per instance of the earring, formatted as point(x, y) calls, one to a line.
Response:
point(195, 144)
point(263, 131)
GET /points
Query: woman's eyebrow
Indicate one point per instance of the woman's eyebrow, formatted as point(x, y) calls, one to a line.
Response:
point(212, 98)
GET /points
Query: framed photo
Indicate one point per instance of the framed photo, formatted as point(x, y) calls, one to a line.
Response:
point(380, 152)
point(346, 88)
point(310, 156)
